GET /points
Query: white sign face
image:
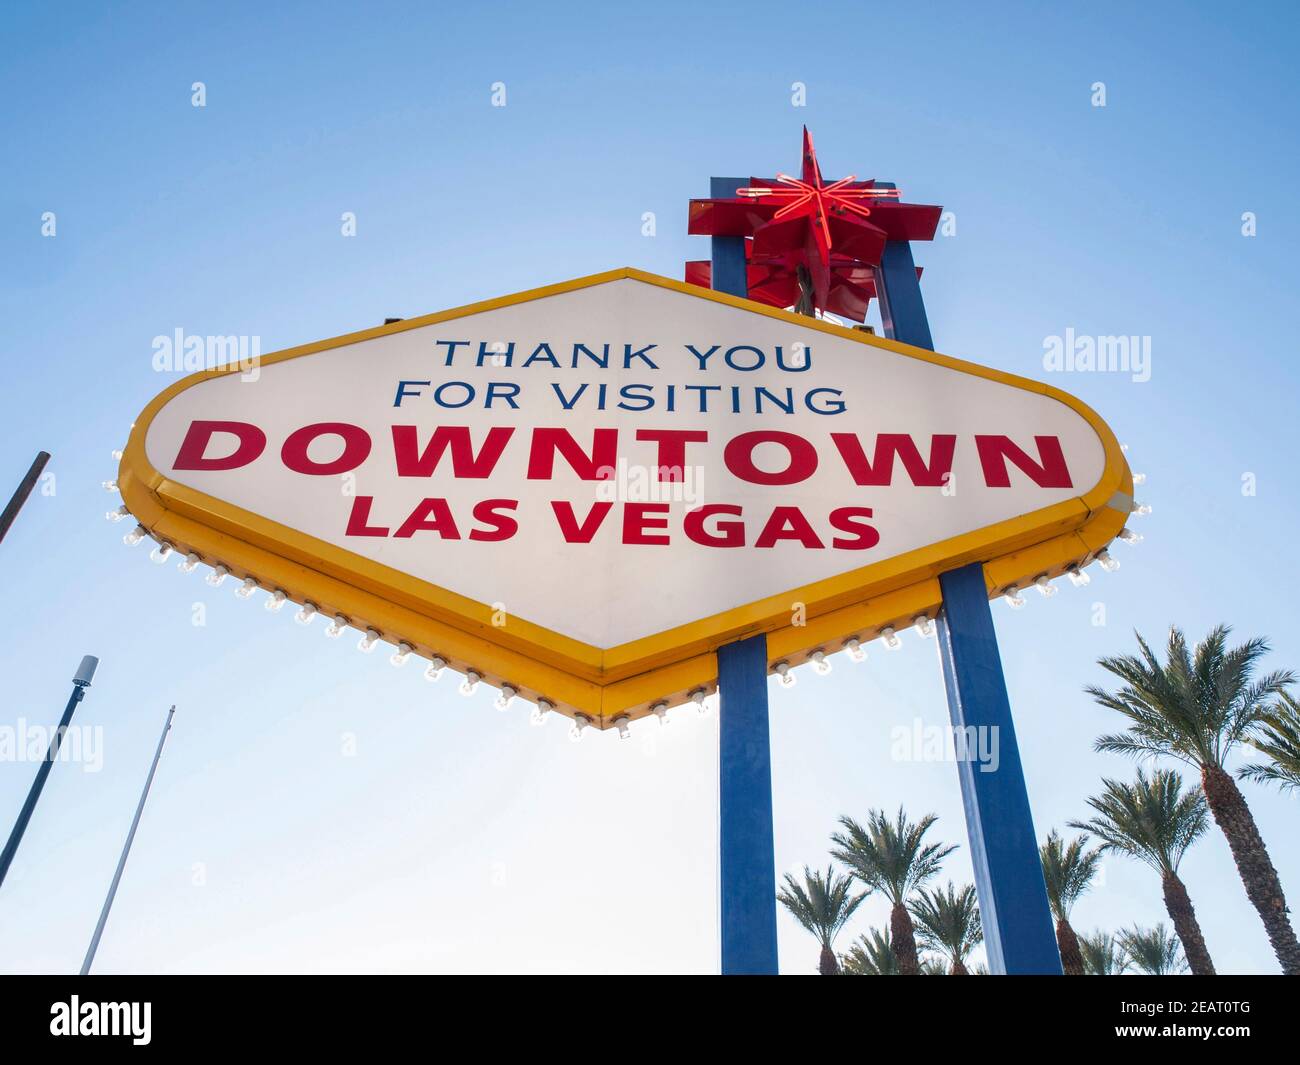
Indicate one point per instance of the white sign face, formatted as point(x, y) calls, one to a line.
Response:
point(619, 459)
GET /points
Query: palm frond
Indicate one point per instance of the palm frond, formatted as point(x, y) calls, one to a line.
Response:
point(1068, 869)
point(1153, 819)
point(1277, 735)
point(1154, 951)
point(948, 921)
point(889, 856)
point(822, 903)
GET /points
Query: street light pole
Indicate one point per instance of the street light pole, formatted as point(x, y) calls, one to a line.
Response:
point(126, 849)
point(80, 682)
point(23, 490)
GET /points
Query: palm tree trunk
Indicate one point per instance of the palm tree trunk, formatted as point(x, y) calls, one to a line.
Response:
point(1068, 944)
point(1263, 887)
point(1179, 905)
point(828, 966)
point(958, 969)
point(904, 942)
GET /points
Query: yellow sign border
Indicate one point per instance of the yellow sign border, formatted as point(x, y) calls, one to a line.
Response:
point(667, 666)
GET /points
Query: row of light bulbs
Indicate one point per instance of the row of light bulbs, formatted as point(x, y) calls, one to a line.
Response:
point(276, 600)
point(922, 624)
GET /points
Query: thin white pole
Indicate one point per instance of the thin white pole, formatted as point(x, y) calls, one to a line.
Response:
point(130, 837)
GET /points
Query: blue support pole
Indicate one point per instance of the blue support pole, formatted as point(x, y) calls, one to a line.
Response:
point(1018, 933)
point(729, 271)
point(746, 851)
point(747, 872)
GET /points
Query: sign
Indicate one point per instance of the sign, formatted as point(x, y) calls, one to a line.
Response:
point(581, 491)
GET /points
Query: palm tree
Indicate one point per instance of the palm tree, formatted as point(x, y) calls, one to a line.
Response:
point(822, 904)
point(1197, 707)
point(1278, 737)
point(949, 922)
point(1153, 950)
point(889, 857)
point(1102, 956)
point(871, 955)
point(1067, 871)
point(1155, 821)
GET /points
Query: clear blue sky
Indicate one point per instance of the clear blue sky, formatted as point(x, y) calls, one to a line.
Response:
point(457, 838)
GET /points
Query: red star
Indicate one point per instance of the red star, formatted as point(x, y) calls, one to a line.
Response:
point(836, 230)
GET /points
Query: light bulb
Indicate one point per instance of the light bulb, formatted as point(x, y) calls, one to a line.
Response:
point(1045, 587)
point(246, 588)
point(159, 554)
point(219, 573)
point(117, 455)
point(1139, 478)
point(368, 641)
point(189, 563)
point(854, 648)
point(118, 514)
point(1141, 509)
point(580, 722)
point(109, 486)
point(538, 716)
point(623, 724)
point(697, 697)
point(304, 616)
point(275, 601)
point(783, 671)
point(819, 662)
point(335, 628)
point(1129, 536)
point(923, 625)
point(403, 652)
point(135, 536)
point(508, 692)
point(1077, 577)
point(1107, 563)
point(1013, 597)
point(660, 710)
point(435, 668)
point(472, 677)
point(891, 638)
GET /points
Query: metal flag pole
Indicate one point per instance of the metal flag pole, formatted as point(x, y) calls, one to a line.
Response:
point(1019, 936)
point(126, 848)
point(21, 493)
point(80, 682)
point(746, 848)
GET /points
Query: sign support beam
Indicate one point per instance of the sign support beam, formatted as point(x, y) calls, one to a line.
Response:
point(1018, 933)
point(1019, 937)
point(747, 858)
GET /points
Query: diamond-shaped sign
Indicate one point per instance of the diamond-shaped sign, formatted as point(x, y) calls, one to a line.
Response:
point(582, 490)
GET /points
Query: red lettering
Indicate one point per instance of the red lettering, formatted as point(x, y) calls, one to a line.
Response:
point(411, 462)
point(589, 467)
point(638, 517)
point(430, 515)
point(356, 448)
point(1049, 472)
point(880, 470)
point(358, 520)
point(573, 532)
point(850, 520)
point(728, 534)
point(787, 523)
point(191, 455)
point(503, 526)
point(739, 457)
point(671, 459)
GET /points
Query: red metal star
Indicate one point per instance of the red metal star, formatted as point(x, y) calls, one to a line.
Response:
point(833, 229)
